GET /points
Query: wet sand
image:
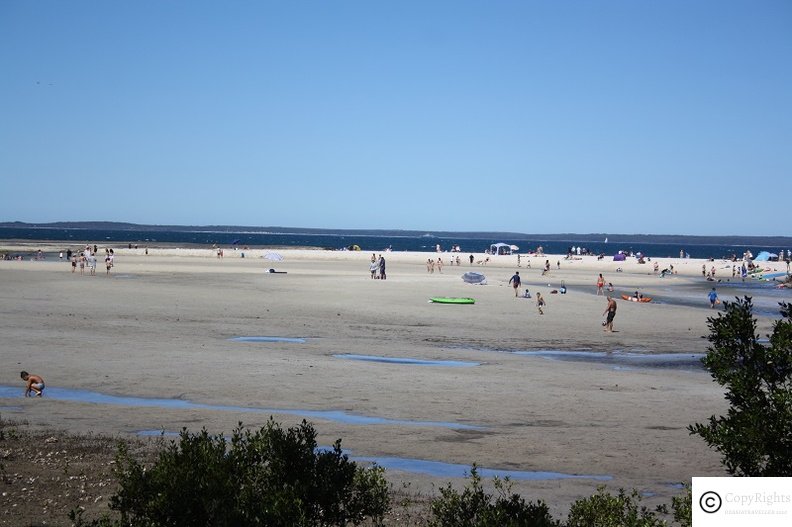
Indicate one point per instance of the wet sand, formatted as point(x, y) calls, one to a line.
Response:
point(162, 326)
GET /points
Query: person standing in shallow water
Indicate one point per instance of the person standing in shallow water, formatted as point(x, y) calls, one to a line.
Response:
point(600, 284)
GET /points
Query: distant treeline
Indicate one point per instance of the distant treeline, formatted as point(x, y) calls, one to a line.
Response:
point(766, 241)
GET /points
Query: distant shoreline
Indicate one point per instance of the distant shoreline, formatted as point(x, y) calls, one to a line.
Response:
point(780, 241)
point(17, 244)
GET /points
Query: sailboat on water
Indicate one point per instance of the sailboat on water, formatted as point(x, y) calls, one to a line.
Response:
point(606, 239)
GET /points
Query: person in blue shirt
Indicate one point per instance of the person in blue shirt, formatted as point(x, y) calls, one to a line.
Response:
point(515, 283)
point(713, 297)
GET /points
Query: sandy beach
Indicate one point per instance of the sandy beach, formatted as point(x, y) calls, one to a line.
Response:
point(160, 326)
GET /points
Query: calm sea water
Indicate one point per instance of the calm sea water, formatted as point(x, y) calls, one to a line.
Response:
point(102, 237)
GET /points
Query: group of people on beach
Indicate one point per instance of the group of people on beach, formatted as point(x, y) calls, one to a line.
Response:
point(515, 281)
point(431, 264)
point(610, 310)
point(87, 258)
point(377, 267)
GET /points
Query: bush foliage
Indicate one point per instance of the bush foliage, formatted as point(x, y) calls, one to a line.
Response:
point(604, 509)
point(755, 436)
point(474, 507)
point(271, 477)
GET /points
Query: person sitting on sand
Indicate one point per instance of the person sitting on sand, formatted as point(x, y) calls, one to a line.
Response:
point(34, 384)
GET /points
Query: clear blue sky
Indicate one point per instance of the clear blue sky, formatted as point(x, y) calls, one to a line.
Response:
point(670, 117)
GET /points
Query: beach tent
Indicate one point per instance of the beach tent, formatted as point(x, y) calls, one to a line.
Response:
point(500, 248)
point(765, 256)
point(620, 257)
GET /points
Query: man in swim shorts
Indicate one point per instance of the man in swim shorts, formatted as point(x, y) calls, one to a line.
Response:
point(515, 282)
point(34, 384)
point(611, 311)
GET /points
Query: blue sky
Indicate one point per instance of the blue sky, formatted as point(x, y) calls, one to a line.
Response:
point(670, 117)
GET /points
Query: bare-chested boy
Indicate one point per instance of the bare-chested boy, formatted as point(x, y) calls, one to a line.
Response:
point(34, 384)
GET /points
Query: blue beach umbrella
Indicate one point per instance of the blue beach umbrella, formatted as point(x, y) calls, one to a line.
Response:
point(474, 278)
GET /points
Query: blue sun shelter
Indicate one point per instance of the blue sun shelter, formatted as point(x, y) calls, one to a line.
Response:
point(765, 256)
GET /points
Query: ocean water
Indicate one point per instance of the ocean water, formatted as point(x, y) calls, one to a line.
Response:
point(373, 243)
point(427, 243)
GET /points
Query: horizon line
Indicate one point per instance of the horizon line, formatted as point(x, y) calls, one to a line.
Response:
point(78, 225)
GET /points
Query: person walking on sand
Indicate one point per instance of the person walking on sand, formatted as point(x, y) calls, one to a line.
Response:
point(713, 298)
point(471, 259)
point(34, 384)
point(540, 303)
point(600, 284)
point(382, 274)
point(515, 283)
point(611, 312)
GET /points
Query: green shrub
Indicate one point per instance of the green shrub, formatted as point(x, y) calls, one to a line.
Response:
point(271, 477)
point(606, 510)
point(476, 508)
point(681, 505)
point(755, 437)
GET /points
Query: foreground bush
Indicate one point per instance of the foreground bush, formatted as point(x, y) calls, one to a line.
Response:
point(476, 508)
point(755, 436)
point(606, 510)
point(473, 507)
point(271, 477)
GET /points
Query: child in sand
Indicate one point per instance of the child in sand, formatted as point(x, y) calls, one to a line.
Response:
point(34, 384)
